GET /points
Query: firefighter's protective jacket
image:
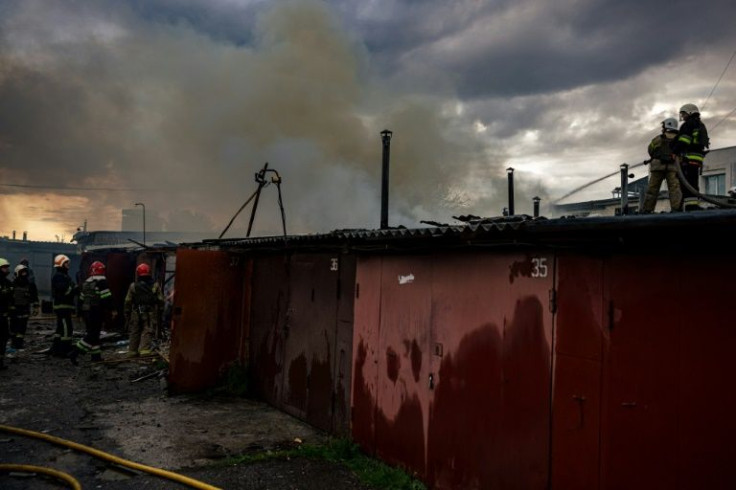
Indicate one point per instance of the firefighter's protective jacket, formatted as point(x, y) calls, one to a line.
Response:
point(95, 295)
point(144, 296)
point(692, 140)
point(63, 290)
point(6, 297)
point(660, 149)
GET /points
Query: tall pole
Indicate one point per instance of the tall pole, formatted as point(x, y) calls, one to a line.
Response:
point(144, 221)
point(624, 189)
point(386, 139)
point(510, 172)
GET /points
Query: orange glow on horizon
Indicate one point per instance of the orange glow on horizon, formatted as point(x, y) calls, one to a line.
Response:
point(50, 217)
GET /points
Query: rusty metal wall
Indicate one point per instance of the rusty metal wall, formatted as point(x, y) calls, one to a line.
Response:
point(643, 373)
point(452, 366)
point(342, 360)
point(269, 300)
point(402, 395)
point(366, 328)
point(667, 418)
point(310, 339)
point(579, 341)
point(302, 335)
point(210, 319)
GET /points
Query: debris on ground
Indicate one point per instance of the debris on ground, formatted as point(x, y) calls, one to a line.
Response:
point(120, 406)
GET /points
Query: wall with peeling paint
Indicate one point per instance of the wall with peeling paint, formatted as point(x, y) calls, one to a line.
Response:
point(539, 370)
point(302, 333)
point(453, 368)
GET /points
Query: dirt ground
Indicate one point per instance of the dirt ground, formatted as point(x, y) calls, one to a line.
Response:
point(103, 405)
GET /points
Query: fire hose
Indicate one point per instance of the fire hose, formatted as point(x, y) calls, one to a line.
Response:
point(27, 468)
point(104, 456)
point(695, 192)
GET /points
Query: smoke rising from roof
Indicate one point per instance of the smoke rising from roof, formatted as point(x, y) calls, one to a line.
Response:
point(94, 95)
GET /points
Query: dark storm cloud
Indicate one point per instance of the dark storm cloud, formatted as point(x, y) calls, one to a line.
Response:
point(490, 49)
point(230, 22)
point(114, 94)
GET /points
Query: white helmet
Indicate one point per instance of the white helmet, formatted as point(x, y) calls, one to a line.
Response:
point(732, 191)
point(19, 268)
point(669, 124)
point(60, 260)
point(4, 262)
point(690, 109)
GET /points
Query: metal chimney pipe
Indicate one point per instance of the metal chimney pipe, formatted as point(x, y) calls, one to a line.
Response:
point(25, 236)
point(510, 173)
point(13, 234)
point(624, 189)
point(386, 140)
point(536, 200)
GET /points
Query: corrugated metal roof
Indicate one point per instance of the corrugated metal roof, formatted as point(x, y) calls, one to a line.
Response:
point(673, 228)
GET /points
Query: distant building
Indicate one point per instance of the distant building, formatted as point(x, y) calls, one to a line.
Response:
point(719, 171)
point(40, 257)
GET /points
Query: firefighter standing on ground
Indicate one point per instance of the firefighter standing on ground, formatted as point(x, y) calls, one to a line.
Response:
point(690, 147)
point(662, 167)
point(97, 304)
point(31, 275)
point(25, 300)
point(6, 306)
point(143, 305)
point(64, 291)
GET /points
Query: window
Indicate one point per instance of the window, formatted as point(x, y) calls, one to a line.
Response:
point(715, 184)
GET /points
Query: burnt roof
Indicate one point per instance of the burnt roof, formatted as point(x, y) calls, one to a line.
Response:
point(705, 230)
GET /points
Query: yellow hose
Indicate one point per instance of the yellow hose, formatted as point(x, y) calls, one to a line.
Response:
point(109, 457)
point(27, 468)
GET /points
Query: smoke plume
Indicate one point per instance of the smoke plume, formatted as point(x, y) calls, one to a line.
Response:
point(97, 96)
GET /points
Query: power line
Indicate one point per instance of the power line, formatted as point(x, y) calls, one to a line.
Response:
point(702, 107)
point(724, 118)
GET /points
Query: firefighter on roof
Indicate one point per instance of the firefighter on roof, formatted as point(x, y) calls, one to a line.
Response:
point(143, 306)
point(97, 304)
point(691, 145)
point(662, 167)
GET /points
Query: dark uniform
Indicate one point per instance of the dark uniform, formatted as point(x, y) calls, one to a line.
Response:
point(690, 145)
point(64, 291)
point(25, 300)
point(143, 306)
point(6, 306)
point(97, 304)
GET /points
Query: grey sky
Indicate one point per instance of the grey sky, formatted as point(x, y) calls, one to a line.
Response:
point(185, 100)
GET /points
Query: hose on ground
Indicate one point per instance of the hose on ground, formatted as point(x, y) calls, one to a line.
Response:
point(109, 457)
point(27, 468)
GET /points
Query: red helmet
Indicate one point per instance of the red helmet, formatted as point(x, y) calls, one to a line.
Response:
point(97, 268)
point(143, 270)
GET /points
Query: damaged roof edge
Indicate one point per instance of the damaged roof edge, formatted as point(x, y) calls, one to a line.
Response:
point(568, 231)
